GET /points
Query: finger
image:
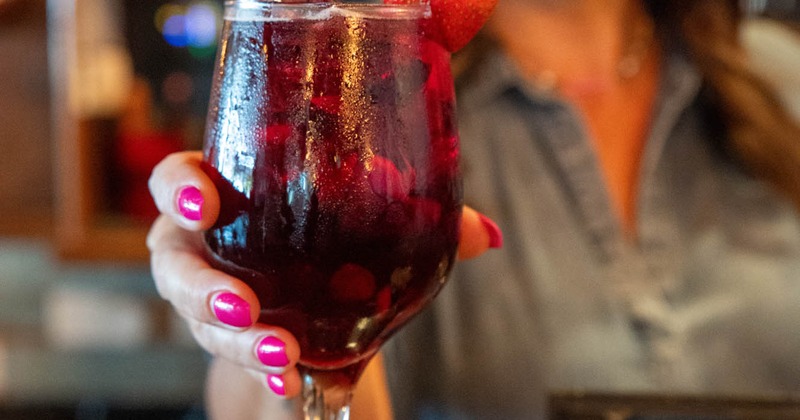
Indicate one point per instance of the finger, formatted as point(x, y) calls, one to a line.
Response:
point(183, 191)
point(263, 348)
point(196, 290)
point(228, 386)
point(285, 385)
point(478, 234)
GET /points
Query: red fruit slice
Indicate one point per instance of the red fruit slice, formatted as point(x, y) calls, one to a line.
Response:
point(383, 300)
point(460, 20)
point(352, 283)
point(277, 135)
point(387, 181)
point(329, 104)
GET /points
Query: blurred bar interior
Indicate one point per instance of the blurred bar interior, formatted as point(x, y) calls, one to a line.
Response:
point(94, 93)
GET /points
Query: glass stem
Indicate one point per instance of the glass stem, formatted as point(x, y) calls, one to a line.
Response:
point(325, 399)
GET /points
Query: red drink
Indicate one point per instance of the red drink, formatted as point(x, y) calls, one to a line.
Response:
point(333, 144)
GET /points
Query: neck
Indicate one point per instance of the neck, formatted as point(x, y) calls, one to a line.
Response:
point(578, 44)
point(591, 52)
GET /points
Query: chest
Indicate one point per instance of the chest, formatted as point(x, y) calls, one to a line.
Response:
point(715, 269)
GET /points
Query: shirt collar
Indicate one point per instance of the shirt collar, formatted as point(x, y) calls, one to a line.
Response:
point(498, 75)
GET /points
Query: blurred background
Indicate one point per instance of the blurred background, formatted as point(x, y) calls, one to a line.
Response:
point(93, 93)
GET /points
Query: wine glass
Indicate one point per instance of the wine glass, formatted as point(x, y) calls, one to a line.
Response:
point(332, 141)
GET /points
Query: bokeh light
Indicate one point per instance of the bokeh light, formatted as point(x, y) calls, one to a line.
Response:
point(193, 25)
point(174, 31)
point(201, 25)
point(177, 88)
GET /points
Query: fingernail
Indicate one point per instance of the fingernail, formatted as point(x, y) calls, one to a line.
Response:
point(232, 310)
point(495, 234)
point(272, 352)
point(276, 384)
point(190, 203)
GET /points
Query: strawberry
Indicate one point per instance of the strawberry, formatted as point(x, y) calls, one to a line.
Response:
point(457, 21)
point(352, 283)
point(383, 300)
point(387, 181)
point(460, 20)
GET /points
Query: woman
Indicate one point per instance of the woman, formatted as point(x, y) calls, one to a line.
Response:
point(647, 184)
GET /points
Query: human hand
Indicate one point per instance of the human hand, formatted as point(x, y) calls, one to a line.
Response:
point(221, 310)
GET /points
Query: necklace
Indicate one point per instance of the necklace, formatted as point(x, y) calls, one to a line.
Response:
point(641, 40)
point(640, 36)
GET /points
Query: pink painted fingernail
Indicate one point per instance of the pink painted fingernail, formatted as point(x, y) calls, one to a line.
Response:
point(276, 384)
point(495, 234)
point(272, 352)
point(190, 203)
point(232, 310)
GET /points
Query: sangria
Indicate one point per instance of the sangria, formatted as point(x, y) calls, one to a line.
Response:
point(332, 140)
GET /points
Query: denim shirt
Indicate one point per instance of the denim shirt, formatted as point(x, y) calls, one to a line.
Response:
point(706, 300)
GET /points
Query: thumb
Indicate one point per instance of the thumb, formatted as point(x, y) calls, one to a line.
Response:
point(478, 234)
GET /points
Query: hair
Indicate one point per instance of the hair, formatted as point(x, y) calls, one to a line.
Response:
point(761, 134)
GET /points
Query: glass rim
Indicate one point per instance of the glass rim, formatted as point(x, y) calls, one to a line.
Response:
point(323, 3)
point(299, 9)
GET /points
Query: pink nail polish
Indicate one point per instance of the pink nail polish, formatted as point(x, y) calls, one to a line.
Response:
point(495, 234)
point(232, 310)
point(276, 384)
point(272, 352)
point(190, 203)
